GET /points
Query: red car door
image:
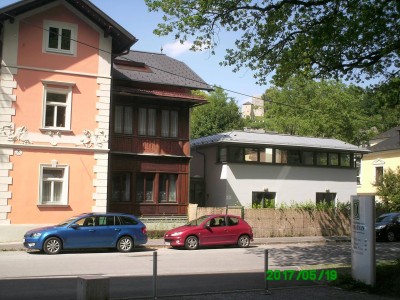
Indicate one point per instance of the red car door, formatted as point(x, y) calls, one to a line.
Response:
point(216, 232)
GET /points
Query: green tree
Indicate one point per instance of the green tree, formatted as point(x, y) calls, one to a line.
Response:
point(383, 103)
point(320, 38)
point(219, 115)
point(388, 188)
point(317, 108)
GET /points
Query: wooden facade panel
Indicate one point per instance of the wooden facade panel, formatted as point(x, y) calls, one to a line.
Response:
point(131, 144)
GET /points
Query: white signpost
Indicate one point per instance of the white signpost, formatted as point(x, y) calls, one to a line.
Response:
point(363, 239)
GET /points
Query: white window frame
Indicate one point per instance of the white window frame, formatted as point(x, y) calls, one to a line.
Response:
point(67, 91)
point(60, 25)
point(64, 180)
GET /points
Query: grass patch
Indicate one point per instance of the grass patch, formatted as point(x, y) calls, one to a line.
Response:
point(156, 234)
point(387, 280)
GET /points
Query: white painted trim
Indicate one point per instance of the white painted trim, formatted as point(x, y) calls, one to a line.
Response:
point(65, 183)
point(60, 25)
point(16, 67)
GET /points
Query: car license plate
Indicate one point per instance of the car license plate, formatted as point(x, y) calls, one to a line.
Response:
point(167, 243)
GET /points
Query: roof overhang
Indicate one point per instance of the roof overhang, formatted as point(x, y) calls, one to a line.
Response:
point(122, 39)
point(192, 100)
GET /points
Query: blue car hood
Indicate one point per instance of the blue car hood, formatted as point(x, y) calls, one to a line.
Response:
point(41, 229)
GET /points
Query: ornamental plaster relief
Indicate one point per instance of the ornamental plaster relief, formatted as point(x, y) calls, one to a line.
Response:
point(88, 139)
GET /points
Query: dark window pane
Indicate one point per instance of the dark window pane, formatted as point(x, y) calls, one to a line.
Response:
point(53, 38)
point(345, 159)
point(235, 154)
point(322, 159)
point(54, 97)
point(49, 116)
point(307, 158)
point(61, 115)
point(125, 220)
point(293, 157)
point(281, 156)
point(66, 39)
point(121, 187)
point(333, 159)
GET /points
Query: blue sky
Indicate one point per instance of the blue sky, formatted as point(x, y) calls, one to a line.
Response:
point(134, 16)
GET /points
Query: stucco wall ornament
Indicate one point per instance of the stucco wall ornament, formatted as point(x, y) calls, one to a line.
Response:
point(21, 134)
point(91, 139)
point(55, 136)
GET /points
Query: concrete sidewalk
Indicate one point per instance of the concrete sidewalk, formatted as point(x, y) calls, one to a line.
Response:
point(157, 243)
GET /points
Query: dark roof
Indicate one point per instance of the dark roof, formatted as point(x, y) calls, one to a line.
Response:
point(157, 69)
point(390, 140)
point(122, 39)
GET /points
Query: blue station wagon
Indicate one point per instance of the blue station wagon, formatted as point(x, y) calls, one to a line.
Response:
point(89, 230)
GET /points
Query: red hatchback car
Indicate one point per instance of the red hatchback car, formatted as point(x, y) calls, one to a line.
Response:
point(211, 230)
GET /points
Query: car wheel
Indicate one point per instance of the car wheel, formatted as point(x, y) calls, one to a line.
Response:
point(125, 244)
point(243, 241)
point(390, 236)
point(191, 243)
point(52, 245)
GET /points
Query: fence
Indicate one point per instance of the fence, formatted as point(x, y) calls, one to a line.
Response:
point(268, 222)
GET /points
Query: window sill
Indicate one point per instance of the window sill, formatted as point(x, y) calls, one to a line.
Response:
point(55, 131)
point(53, 205)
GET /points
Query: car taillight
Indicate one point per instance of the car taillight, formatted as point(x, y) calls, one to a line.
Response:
point(144, 230)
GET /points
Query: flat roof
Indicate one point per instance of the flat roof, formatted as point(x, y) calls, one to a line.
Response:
point(274, 139)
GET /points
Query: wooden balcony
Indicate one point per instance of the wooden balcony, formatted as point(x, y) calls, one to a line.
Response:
point(150, 145)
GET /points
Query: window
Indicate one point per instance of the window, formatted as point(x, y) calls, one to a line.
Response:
point(232, 221)
point(121, 187)
point(169, 123)
point(217, 222)
point(322, 159)
point(60, 37)
point(333, 159)
point(147, 121)
point(222, 154)
point(307, 158)
point(357, 160)
point(263, 199)
point(123, 119)
point(53, 185)
point(167, 188)
point(57, 108)
point(266, 155)
point(293, 157)
point(125, 220)
point(281, 156)
point(326, 198)
point(345, 159)
point(251, 154)
point(235, 154)
point(144, 187)
point(378, 174)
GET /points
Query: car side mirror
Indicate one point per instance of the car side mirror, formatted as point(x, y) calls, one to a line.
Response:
point(207, 226)
point(74, 226)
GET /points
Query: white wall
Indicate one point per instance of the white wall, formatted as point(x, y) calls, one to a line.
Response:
point(291, 183)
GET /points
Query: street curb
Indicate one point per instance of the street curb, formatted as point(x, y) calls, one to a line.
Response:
point(158, 243)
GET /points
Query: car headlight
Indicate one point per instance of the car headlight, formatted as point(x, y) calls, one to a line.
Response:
point(176, 233)
point(380, 227)
point(36, 234)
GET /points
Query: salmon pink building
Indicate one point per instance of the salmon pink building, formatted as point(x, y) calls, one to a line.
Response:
point(56, 109)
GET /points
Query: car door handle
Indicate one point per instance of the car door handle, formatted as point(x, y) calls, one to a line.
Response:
point(117, 229)
point(91, 230)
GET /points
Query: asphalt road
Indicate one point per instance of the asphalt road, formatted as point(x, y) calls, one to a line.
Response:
point(38, 276)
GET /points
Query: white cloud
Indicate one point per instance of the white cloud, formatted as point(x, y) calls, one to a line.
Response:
point(176, 48)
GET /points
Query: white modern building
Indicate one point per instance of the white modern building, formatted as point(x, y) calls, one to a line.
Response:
point(248, 169)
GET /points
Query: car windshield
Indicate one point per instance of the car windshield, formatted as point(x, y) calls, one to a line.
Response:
point(73, 219)
point(385, 219)
point(197, 221)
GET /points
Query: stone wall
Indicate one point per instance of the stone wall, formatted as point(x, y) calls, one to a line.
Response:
point(285, 222)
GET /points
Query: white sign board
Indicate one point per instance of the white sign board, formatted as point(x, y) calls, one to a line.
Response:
point(363, 239)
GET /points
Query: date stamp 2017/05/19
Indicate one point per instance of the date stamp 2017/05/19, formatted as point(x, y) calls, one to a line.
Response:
point(277, 275)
